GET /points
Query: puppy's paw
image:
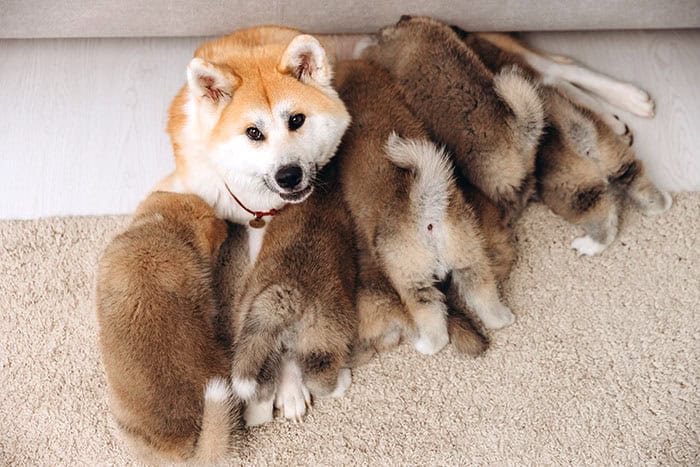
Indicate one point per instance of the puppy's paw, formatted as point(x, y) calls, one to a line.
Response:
point(258, 412)
point(636, 100)
point(433, 340)
point(292, 400)
point(498, 317)
point(661, 205)
point(587, 246)
point(344, 381)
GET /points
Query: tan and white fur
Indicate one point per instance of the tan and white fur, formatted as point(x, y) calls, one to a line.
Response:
point(259, 114)
point(585, 165)
point(490, 123)
point(167, 372)
point(412, 223)
point(295, 323)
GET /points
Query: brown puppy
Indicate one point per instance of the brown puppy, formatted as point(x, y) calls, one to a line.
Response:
point(490, 123)
point(295, 322)
point(584, 167)
point(412, 223)
point(166, 372)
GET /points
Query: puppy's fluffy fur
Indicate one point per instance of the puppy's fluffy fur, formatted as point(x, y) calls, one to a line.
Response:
point(584, 169)
point(491, 123)
point(295, 316)
point(413, 226)
point(167, 373)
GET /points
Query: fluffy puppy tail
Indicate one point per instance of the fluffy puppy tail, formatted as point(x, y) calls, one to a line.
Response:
point(433, 170)
point(523, 97)
point(220, 423)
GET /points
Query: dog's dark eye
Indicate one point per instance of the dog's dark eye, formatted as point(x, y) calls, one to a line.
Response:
point(296, 121)
point(254, 134)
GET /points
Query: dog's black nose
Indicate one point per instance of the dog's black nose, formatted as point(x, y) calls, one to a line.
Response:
point(405, 18)
point(289, 176)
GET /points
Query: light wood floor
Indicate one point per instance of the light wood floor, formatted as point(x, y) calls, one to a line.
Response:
point(82, 120)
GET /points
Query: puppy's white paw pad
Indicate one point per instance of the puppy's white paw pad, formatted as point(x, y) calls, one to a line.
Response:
point(432, 343)
point(499, 317)
point(587, 246)
point(344, 382)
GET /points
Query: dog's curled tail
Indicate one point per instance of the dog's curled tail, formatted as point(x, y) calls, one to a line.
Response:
point(433, 170)
point(524, 99)
point(221, 421)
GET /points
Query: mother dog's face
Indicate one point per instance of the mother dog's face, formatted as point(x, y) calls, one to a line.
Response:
point(270, 121)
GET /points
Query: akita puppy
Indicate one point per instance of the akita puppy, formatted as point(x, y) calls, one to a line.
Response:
point(412, 223)
point(585, 164)
point(252, 129)
point(295, 322)
point(490, 123)
point(167, 373)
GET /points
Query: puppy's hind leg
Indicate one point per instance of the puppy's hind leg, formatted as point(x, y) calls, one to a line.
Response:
point(258, 338)
point(292, 397)
point(584, 99)
point(618, 93)
point(425, 303)
point(555, 68)
point(471, 271)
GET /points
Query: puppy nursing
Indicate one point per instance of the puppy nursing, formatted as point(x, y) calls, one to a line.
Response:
point(491, 124)
point(395, 236)
point(412, 222)
point(295, 321)
point(166, 372)
point(584, 166)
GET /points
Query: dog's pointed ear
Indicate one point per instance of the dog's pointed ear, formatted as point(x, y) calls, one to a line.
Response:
point(306, 60)
point(209, 82)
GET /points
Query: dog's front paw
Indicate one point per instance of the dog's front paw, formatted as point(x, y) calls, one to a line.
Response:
point(587, 246)
point(432, 341)
point(498, 317)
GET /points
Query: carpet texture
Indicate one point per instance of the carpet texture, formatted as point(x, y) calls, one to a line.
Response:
point(602, 366)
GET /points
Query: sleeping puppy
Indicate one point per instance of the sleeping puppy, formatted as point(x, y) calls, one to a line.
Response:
point(413, 226)
point(166, 371)
point(585, 166)
point(294, 320)
point(490, 123)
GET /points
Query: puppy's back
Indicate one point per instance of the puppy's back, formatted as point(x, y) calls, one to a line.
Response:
point(155, 308)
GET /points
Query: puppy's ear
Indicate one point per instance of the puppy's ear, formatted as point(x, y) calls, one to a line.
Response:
point(306, 60)
point(211, 84)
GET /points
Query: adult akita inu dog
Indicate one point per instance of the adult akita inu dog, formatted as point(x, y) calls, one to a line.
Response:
point(257, 118)
point(252, 129)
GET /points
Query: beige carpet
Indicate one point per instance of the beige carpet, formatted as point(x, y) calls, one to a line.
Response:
point(602, 366)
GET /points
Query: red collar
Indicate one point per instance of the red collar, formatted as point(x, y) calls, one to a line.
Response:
point(257, 221)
